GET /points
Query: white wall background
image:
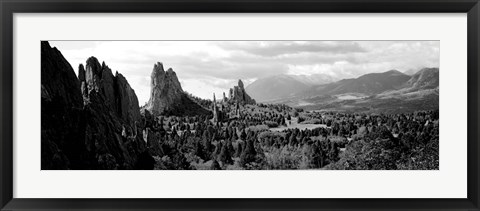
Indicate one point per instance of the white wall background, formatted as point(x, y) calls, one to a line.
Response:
point(449, 181)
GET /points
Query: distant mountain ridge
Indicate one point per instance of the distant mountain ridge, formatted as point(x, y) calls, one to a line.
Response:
point(411, 71)
point(424, 82)
point(282, 86)
point(426, 78)
point(315, 79)
point(372, 83)
point(275, 87)
point(373, 91)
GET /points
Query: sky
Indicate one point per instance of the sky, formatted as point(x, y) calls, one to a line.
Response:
point(207, 67)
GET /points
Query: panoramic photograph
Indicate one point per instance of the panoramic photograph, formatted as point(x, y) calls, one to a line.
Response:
point(240, 105)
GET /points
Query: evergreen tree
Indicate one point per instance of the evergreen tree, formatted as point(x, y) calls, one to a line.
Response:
point(230, 146)
point(248, 154)
point(225, 155)
point(239, 149)
point(215, 165)
point(243, 135)
point(207, 144)
point(199, 151)
point(218, 148)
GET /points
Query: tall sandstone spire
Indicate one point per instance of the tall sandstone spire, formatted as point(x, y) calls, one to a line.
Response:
point(167, 96)
point(165, 90)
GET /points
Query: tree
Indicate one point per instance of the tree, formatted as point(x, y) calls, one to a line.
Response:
point(282, 122)
point(230, 146)
point(333, 152)
point(234, 135)
point(292, 140)
point(239, 149)
point(218, 148)
point(248, 155)
point(215, 165)
point(208, 147)
point(243, 135)
point(225, 155)
point(199, 151)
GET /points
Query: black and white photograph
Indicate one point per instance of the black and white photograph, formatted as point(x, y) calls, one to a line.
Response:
point(240, 105)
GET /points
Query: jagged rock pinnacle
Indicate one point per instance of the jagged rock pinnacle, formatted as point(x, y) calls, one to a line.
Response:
point(238, 94)
point(166, 91)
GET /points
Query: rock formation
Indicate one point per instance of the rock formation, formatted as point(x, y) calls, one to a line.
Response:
point(166, 91)
point(62, 119)
point(167, 96)
point(238, 94)
point(152, 138)
point(89, 122)
point(114, 117)
point(114, 90)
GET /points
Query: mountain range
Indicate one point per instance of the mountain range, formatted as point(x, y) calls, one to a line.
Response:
point(374, 91)
point(283, 86)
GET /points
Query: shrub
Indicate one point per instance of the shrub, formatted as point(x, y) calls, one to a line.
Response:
point(271, 124)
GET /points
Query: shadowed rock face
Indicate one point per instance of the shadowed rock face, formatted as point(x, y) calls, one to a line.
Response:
point(127, 100)
point(92, 122)
point(167, 96)
point(62, 116)
point(114, 90)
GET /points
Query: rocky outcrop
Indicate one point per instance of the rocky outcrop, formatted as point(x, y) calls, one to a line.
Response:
point(238, 94)
point(167, 96)
point(127, 101)
point(152, 139)
point(62, 118)
point(114, 121)
point(114, 90)
point(166, 91)
point(89, 122)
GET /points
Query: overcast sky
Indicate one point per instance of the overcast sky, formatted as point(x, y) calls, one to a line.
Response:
point(204, 67)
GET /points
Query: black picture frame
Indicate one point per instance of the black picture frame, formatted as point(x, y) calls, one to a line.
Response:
point(9, 7)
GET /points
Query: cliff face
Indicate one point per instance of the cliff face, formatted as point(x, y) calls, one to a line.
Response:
point(238, 94)
point(167, 96)
point(63, 121)
point(114, 90)
point(114, 117)
point(91, 122)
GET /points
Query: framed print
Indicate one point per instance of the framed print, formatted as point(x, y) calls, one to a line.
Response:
point(239, 105)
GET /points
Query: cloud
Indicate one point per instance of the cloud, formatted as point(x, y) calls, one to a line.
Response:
point(278, 48)
point(204, 67)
